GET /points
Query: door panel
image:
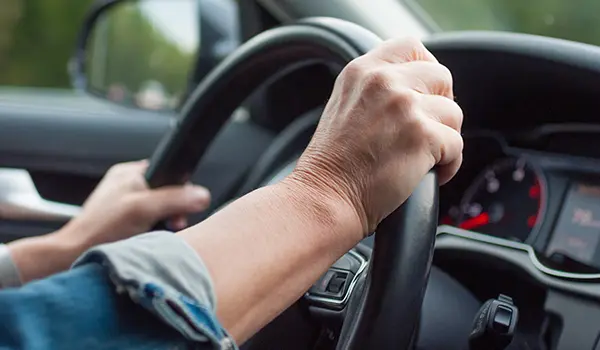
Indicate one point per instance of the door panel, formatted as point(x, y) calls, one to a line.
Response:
point(51, 158)
point(84, 142)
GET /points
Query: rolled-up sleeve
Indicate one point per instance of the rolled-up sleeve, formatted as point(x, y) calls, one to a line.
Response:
point(148, 292)
point(160, 272)
point(79, 309)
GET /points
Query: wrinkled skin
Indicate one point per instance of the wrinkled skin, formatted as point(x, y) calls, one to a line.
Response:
point(390, 119)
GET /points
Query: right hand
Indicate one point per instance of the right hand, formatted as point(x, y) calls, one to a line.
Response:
point(390, 119)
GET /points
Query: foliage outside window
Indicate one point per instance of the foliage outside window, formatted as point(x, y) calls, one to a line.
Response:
point(132, 56)
point(37, 38)
point(577, 20)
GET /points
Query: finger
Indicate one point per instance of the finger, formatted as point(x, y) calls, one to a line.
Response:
point(446, 147)
point(448, 171)
point(137, 167)
point(403, 50)
point(178, 222)
point(169, 201)
point(427, 78)
point(142, 164)
point(443, 110)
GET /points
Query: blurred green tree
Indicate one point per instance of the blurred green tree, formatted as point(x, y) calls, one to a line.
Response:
point(130, 50)
point(577, 20)
point(37, 38)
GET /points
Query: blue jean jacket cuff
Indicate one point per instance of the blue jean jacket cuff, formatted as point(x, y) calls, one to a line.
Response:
point(163, 274)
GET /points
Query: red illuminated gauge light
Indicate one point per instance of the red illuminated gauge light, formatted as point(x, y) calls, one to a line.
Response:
point(505, 200)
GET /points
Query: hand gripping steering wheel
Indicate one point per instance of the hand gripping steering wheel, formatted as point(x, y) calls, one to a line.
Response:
point(385, 315)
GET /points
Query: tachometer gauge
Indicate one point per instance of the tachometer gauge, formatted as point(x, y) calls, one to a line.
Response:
point(505, 201)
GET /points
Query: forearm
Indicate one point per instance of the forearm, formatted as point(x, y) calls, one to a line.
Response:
point(266, 249)
point(39, 257)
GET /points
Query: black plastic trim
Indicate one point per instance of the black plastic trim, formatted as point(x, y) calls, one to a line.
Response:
point(538, 47)
point(77, 141)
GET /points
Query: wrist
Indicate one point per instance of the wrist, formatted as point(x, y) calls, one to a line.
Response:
point(325, 207)
point(38, 257)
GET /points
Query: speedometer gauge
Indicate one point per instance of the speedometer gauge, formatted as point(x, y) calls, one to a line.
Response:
point(505, 201)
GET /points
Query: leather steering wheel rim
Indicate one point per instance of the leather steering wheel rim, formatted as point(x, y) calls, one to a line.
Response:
point(386, 314)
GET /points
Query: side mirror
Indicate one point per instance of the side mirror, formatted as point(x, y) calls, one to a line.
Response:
point(140, 53)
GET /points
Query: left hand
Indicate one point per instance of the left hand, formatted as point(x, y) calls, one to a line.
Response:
point(122, 206)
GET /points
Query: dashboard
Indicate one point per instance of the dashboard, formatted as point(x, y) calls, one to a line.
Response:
point(547, 200)
point(521, 217)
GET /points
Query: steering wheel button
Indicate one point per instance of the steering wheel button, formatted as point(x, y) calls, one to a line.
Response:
point(337, 283)
point(502, 319)
point(320, 288)
point(348, 262)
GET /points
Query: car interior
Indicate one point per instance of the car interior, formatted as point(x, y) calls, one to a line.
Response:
point(505, 256)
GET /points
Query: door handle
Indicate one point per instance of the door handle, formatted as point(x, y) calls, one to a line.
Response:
point(20, 200)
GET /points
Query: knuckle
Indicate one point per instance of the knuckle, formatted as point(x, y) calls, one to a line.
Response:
point(117, 168)
point(412, 42)
point(446, 73)
point(451, 115)
point(426, 132)
point(356, 69)
point(403, 99)
point(457, 115)
point(404, 49)
point(458, 141)
point(446, 78)
point(422, 133)
point(431, 143)
point(137, 182)
point(411, 46)
point(376, 80)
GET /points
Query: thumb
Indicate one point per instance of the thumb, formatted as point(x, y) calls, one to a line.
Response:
point(169, 201)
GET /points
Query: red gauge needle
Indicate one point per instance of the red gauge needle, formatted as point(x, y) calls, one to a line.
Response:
point(476, 221)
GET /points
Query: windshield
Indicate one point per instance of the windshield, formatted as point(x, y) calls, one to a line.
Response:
point(577, 20)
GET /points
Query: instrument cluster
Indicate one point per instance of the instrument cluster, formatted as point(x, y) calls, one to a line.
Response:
point(547, 200)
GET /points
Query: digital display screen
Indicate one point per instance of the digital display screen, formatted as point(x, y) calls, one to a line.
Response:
point(577, 232)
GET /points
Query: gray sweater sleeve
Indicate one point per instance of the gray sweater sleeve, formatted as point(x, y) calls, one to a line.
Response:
point(9, 274)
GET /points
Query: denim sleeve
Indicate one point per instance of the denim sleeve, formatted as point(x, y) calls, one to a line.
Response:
point(149, 292)
point(79, 309)
point(160, 272)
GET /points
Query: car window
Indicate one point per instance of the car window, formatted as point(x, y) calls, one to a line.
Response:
point(37, 39)
point(577, 20)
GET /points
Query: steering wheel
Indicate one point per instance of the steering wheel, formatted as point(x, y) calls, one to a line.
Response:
point(384, 313)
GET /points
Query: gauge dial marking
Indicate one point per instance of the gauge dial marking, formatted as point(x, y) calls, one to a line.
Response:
point(508, 197)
